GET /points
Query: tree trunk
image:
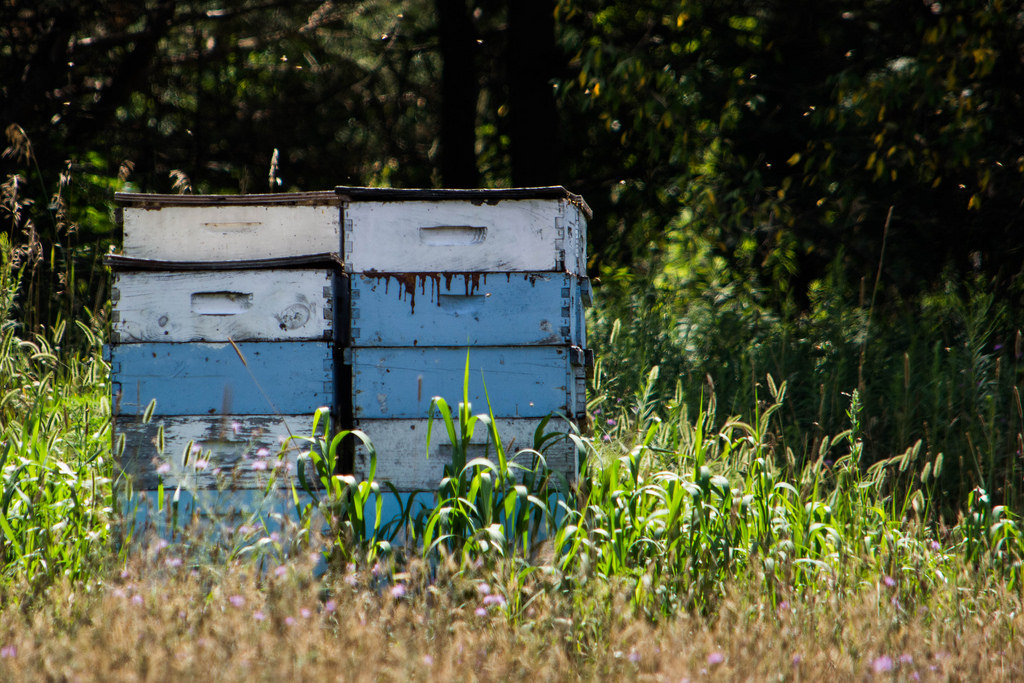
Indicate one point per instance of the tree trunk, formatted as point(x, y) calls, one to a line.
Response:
point(533, 122)
point(459, 92)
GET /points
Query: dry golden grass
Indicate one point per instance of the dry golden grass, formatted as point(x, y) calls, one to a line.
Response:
point(158, 620)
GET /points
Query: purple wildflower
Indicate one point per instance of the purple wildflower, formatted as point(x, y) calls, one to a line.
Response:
point(290, 621)
point(202, 464)
point(173, 562)
point(715, 658)
point(611, 422)
point(164, 468)
point(494, 599)
point(262, 452)
point(330, 606)
point(398, 590)
point(606, 438)
point(258, 615)
point(137, 600)
point(889, 581)
point(906, 659)
point(797, 659)
point(281, 571)
point(236, 600)
point(634, 656)
point(304, 613)
point(882, 664)
point(481, 611)
point(936, 546)
point(483, 588)
point(428, 660)
point(8, 651)
point(259, 465)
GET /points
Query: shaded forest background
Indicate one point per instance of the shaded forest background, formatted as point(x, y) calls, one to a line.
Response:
point(828, 191)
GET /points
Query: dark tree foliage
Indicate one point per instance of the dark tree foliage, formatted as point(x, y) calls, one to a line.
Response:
point(782, 132)
point(772, 135)
point(211, 89)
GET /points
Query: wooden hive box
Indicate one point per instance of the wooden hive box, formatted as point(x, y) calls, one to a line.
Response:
point(227, 312)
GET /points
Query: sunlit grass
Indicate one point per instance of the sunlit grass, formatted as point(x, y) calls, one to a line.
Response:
point(162, 618)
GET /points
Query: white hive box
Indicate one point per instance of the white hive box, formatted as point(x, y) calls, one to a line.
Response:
point(200, 228)
point(404, 461)
point(494, 231)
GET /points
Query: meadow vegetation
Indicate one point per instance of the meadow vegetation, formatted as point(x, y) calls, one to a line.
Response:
point(805, 457)
point(717, 530)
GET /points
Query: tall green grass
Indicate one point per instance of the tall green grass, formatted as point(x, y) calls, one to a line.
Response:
point(941, 373)
point(58, 508)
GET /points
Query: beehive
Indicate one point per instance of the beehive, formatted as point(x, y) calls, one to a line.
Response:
point(242, 315)
point(432, 272)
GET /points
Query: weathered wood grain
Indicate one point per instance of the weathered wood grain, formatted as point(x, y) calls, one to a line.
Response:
point(291, 378)
point(200, 452)
point(522, 381)
point(232, 232)
point(241, 305)
point(402, 459)
point(527, 235)
point(452, 309)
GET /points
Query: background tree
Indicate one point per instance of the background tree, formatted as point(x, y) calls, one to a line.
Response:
point(782, 133)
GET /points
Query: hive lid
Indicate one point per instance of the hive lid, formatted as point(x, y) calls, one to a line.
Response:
point(489, 196)
point(144, 200)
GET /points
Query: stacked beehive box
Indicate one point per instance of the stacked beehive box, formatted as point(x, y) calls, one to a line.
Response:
point(240, 316)
point(433, 272)
point(224, 315)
